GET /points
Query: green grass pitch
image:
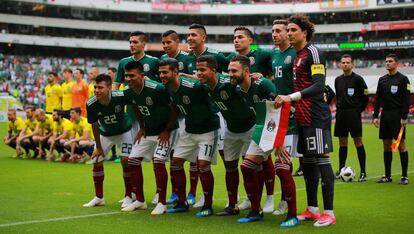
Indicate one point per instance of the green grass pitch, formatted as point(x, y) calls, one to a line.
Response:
point(41, 197)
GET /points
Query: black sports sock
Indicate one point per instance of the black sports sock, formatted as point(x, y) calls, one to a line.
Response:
point(328, 181)
point(387, 163)
point(343, 154)
point(311, 176)
point(404, 163)
point(361, 158)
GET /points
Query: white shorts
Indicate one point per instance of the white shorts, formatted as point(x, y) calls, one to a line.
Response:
point(236, 144)
point(149, 148)
point(254, 149)
point(291, 144)
point(134, 129)
point(222, 132)
point(124, 142)
point(181, 126)
point(193, 147)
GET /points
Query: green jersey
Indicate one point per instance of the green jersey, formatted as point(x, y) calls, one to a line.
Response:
point(259, 60)
point(195, 104)
point(222, 61)
point(112, 118)
point(154, 104)
point(237, 113)
point(181, 57)
point(149, 63)
point(260, 90)
point(282, 67)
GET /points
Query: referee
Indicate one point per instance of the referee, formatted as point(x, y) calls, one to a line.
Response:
point(393, 95)
point(351, 100)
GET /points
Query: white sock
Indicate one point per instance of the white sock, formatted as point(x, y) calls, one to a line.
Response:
point(313, 209)
point(329, 212)
point(269, 197)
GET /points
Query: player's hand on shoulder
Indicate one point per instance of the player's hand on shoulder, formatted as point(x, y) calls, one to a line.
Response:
point(256, 75)
point(194, 77)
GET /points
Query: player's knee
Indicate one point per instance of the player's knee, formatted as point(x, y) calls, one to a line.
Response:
point(124, 161)
point(231, 166)
point(248, 167)
point(134, 161)
point(402, 147)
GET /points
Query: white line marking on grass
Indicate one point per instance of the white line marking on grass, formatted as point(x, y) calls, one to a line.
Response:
point(57, 219)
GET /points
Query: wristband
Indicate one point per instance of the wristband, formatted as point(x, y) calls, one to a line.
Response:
point(295, 96)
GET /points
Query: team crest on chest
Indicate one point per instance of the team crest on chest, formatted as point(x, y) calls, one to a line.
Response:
point(180, 66)
point(256, 98)
point(118, 108)
point(252, 60)
point(394, 89)
point(148, 101)
point(186, 99)
point(146, 67)
point(133, 101)
point(224, 95)
point(288, 59)
point(351, 92)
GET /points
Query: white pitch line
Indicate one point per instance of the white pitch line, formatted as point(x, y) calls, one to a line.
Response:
point(117, 212)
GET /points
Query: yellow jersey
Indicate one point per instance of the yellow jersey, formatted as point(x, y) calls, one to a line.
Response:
point(67, 95)
point(64, 125)
point(79, 127)
point(30, 125)
point(91, 88)
point(47, 125)
point(16, 126)
point(53, 97)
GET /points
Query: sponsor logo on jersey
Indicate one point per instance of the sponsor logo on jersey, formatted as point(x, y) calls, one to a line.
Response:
point(394, 89)
point(186, 99)
point(118, 108)
point(146, 67)
point(288, 59)
point(317, 69)
point(224, 95)
point(351, 92)
point(271, 125)
point(252, 60)
point(148, 101)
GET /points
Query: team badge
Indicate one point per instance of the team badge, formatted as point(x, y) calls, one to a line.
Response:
point(133, 101)
point(271, 125)
point(190, 65)
point(180, 66)
point(148, 101)
point(99, 113)
point(351, 92)
point(224, 95)
point(256, 98)
point(252, 61)
point(118, 108)
point(394, 89)
point(146, 67)
point(186, 99)
point(288, 59)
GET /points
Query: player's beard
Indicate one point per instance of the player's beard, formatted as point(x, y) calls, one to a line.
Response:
point(236, 80)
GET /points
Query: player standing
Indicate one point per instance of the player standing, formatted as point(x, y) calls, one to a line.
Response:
point(351, 100)
point(67, 86)
point(92, 74)
point(53, 93)
point(110, 126)
point(393, 95)
point(80, 92)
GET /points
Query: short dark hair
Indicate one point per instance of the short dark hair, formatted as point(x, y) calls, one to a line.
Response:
point(393, 56)
point(80, 71)
point(140, 34)
point(243, 60)
point(280, 21)
point(32, 108)
point(198, 26)
point(304, 23)
point(105, 78)
point(59, 112)
point(113, 69)
point(247, 31)
point(134, 65)
point(209, 59)
point(171, 63)
point(171, 33)
point(68, 70)
point(76, 109)
point(346, 56)
point(53, 74)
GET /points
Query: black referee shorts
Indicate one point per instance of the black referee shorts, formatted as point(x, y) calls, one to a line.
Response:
point(348, 121)
point(390, 124)
point(314, 141)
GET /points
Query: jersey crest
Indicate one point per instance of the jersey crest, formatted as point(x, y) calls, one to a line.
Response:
point(394, 89)
point(252, 60)
point(180, 66)
point(256, 98)
point(146, 67)
point(148, 101)
point(288, 59)
point(224, 95)
point(186, 99)
point(118, 108)
point(351, 92)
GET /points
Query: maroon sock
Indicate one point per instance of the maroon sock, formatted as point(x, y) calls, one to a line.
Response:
point(179, 182)
point(232, 184)
point(260, 180)
point(282, 195)
point(193, 178)
point(98, 178)
point(269, 175)
point(137, 179)
point(288, 187)
point(207, 182)
point(161, 178)
point(251, 183)
point(127, 178)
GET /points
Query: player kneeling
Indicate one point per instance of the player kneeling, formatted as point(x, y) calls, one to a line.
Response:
point(111, 126)
point(15, 126)
point(42, 132)
point(61, 133)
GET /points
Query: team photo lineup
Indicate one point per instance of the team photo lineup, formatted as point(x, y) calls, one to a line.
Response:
point(256, 110)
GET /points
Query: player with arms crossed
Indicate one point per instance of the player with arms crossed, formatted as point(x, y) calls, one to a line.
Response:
point(110, 126)
point(314, 120)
